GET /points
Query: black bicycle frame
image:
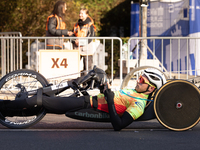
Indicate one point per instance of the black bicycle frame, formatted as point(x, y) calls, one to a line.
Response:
point(52, 90)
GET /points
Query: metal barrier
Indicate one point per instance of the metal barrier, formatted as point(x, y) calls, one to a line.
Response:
point(170, 49)
point(178, 56)
point(40, 43)
point(11, 51)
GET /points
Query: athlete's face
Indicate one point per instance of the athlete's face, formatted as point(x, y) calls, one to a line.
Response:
point(142, 84)
point(82, 15)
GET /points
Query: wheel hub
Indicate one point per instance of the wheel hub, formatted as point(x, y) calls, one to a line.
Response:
point(179, 105)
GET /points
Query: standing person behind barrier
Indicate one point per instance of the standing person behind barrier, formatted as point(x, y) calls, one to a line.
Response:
point(85, 28)
point(56, 27)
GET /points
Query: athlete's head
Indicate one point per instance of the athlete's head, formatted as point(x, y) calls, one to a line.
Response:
point(151, 79)
point(156, 77)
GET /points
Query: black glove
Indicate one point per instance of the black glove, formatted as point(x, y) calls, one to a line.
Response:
point(100, 78)
point(109, 95)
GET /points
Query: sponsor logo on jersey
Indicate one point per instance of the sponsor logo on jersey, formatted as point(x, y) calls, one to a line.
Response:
point(139, 104)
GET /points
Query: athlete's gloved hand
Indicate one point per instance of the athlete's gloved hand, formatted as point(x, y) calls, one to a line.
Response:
point(100, 79)
point(109, 95)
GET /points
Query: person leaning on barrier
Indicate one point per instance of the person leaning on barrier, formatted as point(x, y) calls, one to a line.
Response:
point(84, 28)
point(56, 27)
point(123, 106)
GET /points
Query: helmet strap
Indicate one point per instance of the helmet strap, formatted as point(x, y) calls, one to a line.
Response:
point(147, 90)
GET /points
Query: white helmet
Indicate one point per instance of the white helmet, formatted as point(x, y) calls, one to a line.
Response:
point(155, 76)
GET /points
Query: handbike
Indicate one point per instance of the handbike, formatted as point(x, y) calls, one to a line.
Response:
point(172, 104)
point(22, 82)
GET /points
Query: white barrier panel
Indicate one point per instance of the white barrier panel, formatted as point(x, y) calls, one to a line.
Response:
point(54, 63)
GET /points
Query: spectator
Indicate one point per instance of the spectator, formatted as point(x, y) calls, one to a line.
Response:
point(85, 28)
point(56, 27)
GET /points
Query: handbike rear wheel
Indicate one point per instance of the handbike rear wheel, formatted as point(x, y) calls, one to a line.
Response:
point(23, 118)
point(177, 105)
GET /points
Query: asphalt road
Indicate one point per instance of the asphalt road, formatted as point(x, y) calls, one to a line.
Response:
point(54, 122)
point(57, 132)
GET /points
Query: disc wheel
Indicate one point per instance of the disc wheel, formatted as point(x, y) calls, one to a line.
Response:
point(177, 105)
point(25, 118)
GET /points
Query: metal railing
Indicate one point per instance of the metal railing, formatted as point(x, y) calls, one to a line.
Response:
point(178, 56)
point(172, 51)
point(27, 41)
point(11, 51)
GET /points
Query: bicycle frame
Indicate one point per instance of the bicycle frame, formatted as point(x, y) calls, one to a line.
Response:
point(52, 89)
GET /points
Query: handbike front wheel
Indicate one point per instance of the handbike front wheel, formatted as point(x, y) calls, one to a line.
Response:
point(21, 118)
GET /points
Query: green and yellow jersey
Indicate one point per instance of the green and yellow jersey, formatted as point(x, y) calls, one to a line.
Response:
point(125, 100)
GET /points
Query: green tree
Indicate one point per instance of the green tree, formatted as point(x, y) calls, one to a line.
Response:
point(29, 17)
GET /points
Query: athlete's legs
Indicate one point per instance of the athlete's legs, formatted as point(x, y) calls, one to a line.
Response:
point(64, 104)
point(53, 104)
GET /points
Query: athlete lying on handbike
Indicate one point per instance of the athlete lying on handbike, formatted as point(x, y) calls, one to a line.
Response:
point(124, 106)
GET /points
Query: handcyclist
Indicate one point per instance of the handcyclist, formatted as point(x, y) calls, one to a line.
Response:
point(126, 106)
point(123, 106)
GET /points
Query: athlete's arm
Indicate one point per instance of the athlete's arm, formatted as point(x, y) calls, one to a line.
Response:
point(118, 123)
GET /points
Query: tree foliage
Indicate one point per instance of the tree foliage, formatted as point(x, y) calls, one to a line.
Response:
point(29, 16)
